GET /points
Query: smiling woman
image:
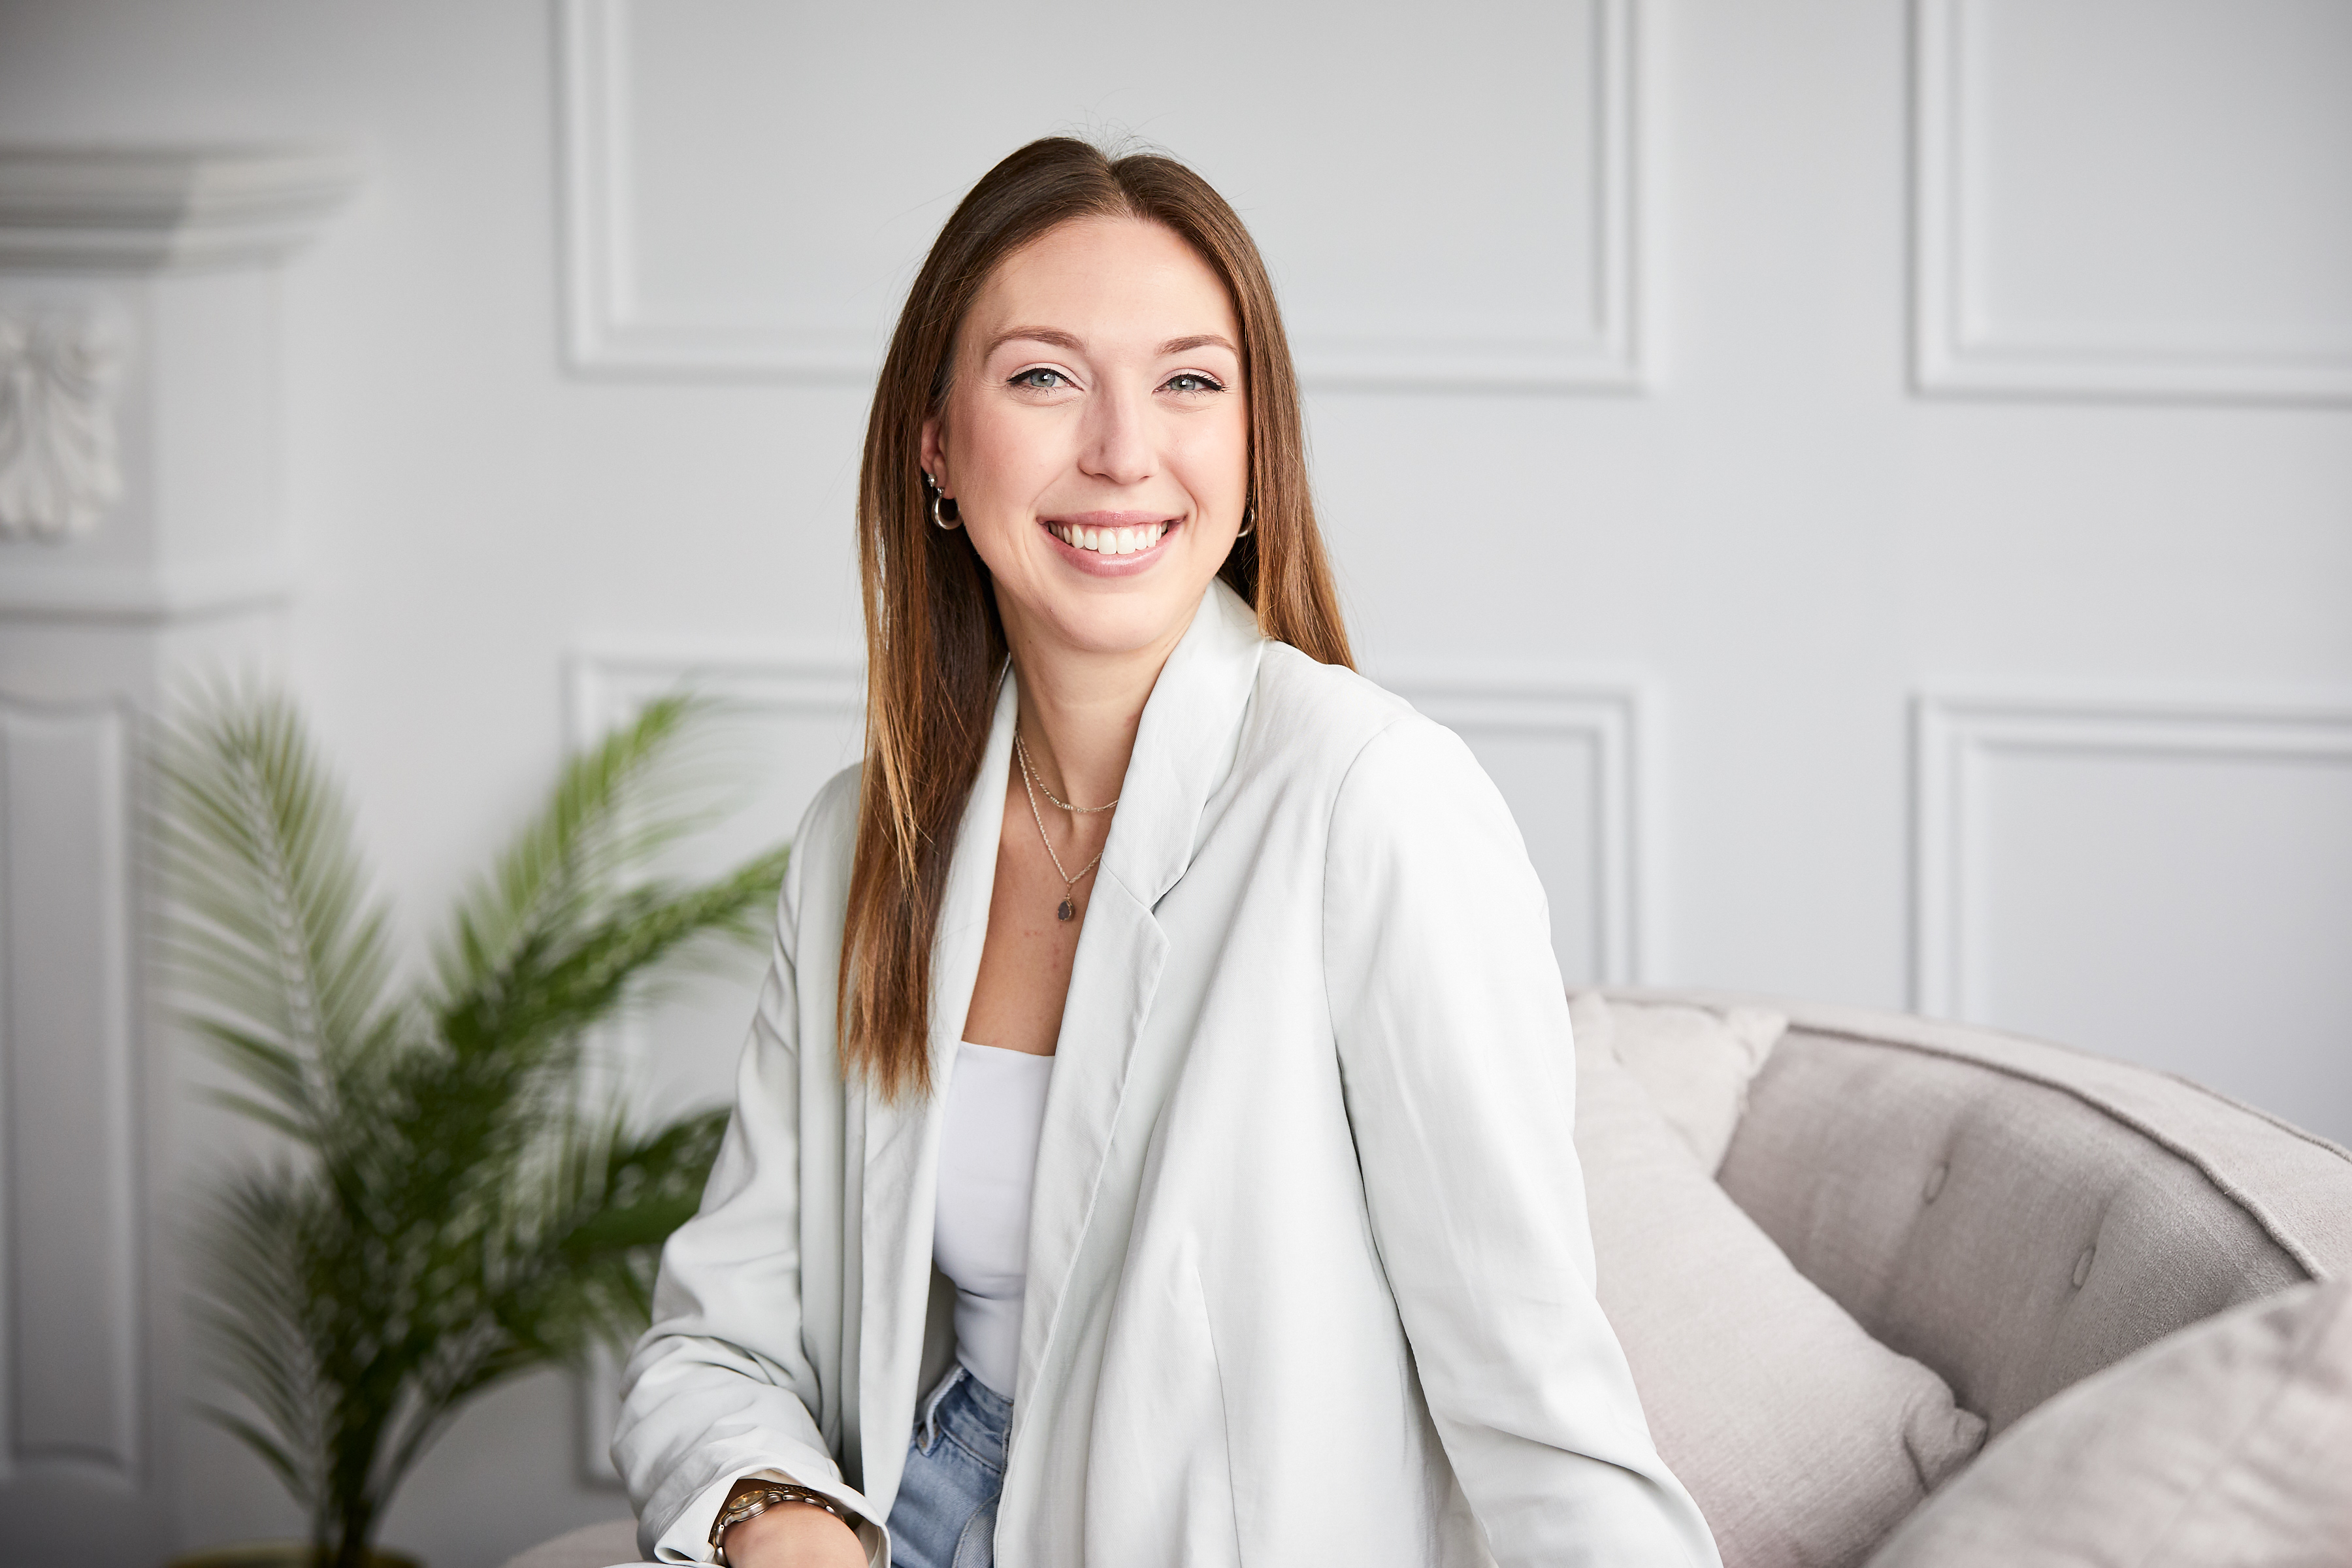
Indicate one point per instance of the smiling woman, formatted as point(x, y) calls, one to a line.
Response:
point(1153, 1144)
point(1091, 351)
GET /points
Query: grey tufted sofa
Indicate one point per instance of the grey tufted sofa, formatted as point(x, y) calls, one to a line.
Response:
point(2015, 1214)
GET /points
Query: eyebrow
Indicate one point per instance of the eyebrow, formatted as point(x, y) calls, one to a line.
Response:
point(1201, 340)
point(1062, 340)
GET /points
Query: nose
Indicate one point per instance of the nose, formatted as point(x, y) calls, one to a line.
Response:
point(1116, 447)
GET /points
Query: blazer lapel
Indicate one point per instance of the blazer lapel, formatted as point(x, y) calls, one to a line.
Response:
point(1183, 749)
point(902, 1140)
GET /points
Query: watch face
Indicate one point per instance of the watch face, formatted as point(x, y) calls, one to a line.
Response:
point(737, 1511)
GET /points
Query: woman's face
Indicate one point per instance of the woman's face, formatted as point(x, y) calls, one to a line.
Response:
point(1095, 438)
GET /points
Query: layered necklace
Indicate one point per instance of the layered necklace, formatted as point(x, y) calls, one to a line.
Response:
point(1030, 783)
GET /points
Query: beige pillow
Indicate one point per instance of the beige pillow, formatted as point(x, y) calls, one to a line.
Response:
point(1695, 1062)
point(1803, 1439)
point(2227, 1443)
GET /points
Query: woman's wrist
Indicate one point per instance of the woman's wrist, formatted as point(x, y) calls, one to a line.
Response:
point(761, 1509)
point(792, 1535)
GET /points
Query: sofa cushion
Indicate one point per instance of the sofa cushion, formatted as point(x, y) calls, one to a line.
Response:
point(1694, 1062)
point(2228, 1442)
point(1803, 1439)
point(2017, 1215)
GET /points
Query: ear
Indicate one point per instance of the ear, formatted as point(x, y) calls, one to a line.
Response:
point(935, 454)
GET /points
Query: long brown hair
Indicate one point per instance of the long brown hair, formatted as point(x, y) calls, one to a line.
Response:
point(933, 640)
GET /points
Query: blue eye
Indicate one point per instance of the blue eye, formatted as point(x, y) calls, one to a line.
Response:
point(1198, 383)
point(1041, 379)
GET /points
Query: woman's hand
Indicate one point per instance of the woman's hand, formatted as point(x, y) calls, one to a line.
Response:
point(793, 1535)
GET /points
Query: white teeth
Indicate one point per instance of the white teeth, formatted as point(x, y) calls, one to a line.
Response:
point(1110, 541)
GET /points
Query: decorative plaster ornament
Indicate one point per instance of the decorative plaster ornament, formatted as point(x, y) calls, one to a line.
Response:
point(58, 472)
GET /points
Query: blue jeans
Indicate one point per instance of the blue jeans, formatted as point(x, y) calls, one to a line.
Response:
point(946, 1513)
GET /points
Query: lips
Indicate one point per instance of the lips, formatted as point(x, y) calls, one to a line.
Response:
point(1129, 539)
point(1112, 543)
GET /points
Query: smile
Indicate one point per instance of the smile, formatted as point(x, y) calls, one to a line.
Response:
point(1130, 539)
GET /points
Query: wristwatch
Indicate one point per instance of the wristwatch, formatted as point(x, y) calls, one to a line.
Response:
point(753, 1496)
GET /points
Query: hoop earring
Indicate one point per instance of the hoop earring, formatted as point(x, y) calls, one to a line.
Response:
point(1249, 521)
point(945, 524)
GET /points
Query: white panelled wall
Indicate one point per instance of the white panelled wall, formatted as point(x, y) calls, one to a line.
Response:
point(1873, 480)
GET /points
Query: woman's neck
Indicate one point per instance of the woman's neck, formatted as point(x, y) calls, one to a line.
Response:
point(1079, 708)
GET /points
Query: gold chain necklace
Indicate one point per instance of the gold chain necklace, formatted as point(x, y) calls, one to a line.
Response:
point(1028, 768)
point(1029, 786)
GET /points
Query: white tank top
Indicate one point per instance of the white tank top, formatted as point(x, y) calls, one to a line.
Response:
point(980, 1237)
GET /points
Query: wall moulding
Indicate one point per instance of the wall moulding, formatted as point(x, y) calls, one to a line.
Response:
point(139, 209)
point(1608, 352)
point(1591, 342)
point(139, 384)
point(71, 1336)
point(1957, 741)
point(2012, 142)
point(602, 689)
point(607, 326)
point(60, 371)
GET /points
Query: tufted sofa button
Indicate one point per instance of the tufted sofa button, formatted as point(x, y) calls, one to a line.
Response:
point(2083, 1265)
point(1935, 1183)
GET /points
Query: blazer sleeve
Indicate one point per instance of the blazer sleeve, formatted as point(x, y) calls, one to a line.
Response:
point(721, 1387)
point(1453, 1034)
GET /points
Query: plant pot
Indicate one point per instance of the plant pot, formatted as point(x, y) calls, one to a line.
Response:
point(276, 1555)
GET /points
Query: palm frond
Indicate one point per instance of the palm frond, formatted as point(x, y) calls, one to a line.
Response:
point(253, 1287)
point(271, 930)
point(586, 1275)
point(614, 805)
point(552, 993)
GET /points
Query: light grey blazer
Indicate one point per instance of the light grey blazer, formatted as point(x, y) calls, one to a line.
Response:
point(1310, 1274)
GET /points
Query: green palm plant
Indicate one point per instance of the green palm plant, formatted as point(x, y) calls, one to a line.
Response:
point(451, 1202)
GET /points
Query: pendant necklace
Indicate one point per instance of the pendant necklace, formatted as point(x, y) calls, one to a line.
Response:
point(1030, 785)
